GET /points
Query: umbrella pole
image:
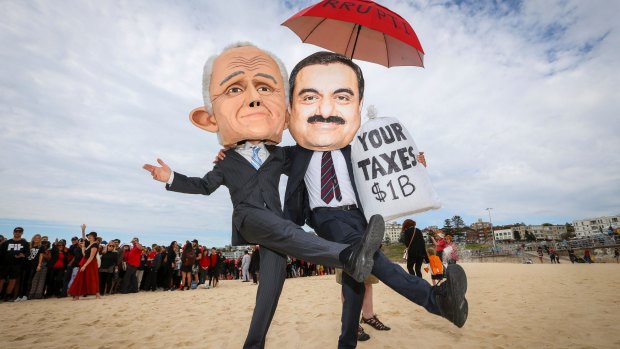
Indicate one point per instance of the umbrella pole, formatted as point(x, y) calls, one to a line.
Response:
point(359, 28)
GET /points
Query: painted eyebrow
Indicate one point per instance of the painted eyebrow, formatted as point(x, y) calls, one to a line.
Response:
point(344, 90)
point(307, 90)
point(267, 76)
point(231, 76)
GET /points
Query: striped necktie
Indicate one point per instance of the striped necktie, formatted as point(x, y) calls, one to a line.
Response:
point(329, 181)
point(256, 161)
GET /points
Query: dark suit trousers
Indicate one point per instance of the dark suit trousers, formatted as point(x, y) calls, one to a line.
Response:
point(345, 227)
point(273, 273)
point(348, 226)
point(263, 227)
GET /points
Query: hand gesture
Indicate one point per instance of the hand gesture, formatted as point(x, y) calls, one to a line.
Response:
point(422, 159)
point(161, 174)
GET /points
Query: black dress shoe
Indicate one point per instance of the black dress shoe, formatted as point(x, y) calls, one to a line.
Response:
point(450, 295)
point(360, 261)
point(361, 335)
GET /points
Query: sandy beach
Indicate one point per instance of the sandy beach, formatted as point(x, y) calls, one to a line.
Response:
point(511, 306)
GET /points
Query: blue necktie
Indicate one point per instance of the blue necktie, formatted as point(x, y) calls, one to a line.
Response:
point(256, 161)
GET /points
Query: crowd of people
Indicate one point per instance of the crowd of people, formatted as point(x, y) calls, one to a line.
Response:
point(89, 265)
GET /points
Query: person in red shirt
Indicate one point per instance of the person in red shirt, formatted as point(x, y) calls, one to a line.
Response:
point(130, 282)
point(213, 272)
point(204, 264)
point(439, 245)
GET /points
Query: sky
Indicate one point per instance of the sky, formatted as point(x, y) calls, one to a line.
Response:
point(516, 110)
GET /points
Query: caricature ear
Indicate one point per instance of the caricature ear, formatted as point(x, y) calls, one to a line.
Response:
point(202, 119)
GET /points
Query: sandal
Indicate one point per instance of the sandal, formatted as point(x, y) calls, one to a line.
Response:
point(361, 335)
point(375, 323)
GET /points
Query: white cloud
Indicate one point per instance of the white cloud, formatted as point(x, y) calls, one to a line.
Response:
point(516, 108)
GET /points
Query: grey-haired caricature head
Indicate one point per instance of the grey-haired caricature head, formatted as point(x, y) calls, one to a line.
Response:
point(245, 96)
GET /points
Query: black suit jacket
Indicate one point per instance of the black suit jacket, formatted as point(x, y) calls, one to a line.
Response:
point(246, 185)
point(296, 202)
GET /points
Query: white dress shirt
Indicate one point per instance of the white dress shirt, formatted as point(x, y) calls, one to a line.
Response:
point(313, 181)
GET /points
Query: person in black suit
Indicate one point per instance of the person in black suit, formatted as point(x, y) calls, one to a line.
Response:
point(244, 94)
point(326, 91)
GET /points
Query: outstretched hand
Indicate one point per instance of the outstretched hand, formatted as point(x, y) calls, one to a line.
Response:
point(161, 174)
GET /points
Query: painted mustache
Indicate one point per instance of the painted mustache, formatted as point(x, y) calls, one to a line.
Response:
point(334, 119)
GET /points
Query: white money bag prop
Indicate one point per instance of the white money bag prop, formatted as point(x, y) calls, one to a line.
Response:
point(389, 179)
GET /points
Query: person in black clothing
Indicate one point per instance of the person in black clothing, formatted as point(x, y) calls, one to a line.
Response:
point(106, 270)
point(13, 254)
point(56, 269)
point(255, 265)
point(29, 267)
point(151, 281)
point(571, 255)
point(416, 249)
point(169, 265)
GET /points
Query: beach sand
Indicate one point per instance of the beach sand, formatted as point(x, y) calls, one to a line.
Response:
point(510, 306)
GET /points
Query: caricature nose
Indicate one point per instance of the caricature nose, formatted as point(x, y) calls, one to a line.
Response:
point(253, 97)
point(326, 107)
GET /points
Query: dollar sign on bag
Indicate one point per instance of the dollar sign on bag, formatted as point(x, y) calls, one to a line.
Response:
point(380, 193)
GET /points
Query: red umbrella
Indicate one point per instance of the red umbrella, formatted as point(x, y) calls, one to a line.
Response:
point(359, 29)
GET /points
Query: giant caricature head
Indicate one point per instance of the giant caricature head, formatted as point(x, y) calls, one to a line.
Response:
point(244, 91)
point(326, 94)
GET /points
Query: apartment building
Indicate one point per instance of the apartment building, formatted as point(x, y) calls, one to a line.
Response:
point(594, 226)
point(392, 231)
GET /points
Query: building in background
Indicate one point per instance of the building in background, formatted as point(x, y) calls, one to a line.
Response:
point(594, 226)
point(541, 232)
point(480, 233)
point(504, 234)
point(392, 231)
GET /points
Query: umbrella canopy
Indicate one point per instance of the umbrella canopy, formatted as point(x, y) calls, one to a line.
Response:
point(359, 29)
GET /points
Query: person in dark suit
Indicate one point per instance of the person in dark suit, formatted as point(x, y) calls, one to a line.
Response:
point(326, 91)
point(244, 94)
point(416, 247)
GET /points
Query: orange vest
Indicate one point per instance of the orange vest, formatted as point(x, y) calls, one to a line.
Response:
point(436, 265)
